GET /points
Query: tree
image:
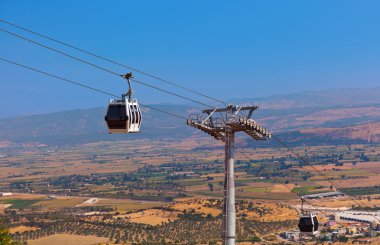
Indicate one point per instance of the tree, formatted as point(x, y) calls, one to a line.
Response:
point(5, 238)
point(343, 239)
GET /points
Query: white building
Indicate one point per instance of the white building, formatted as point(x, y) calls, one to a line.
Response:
point(5, 194)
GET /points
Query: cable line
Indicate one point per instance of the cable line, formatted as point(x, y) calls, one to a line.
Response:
point(84, 86)
point(101, 68)
point(278, 181)
point(112, 61)
point(57, 51)
point(168, 92)
point(163, 111)
point(305, 161)
point(57, 77)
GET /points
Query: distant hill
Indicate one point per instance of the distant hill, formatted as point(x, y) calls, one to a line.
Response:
point(88, 125)
point(324, 98)
point(339, 115)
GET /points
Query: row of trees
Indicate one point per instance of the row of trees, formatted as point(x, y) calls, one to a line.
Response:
point(185, 229)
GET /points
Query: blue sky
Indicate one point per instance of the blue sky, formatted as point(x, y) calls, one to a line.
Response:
point(226, 49)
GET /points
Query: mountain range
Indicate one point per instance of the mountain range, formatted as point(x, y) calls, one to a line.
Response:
point(316, 117)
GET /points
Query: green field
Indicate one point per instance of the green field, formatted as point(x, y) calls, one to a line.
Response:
point(341, 174)
point(305, 190)
point(20, 203)
point(191, 182)
point(253, 180)
point(59, 203)
point(258, 189)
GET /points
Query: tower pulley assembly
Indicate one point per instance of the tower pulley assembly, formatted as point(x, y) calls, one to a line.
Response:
point(124, 116)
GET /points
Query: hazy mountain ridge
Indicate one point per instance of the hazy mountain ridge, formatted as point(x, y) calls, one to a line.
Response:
point(88, 125)
point(323, 98)
point(331, 119)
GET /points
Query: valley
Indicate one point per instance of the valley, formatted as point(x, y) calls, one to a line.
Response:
point(173, 185)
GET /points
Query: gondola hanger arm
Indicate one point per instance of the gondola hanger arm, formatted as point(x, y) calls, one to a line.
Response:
point(128, 76)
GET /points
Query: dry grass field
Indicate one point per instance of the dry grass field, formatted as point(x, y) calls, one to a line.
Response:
point(4, 206)
point(277, 188)
point(125, 205)
point(66, 239)
point(151, 216)
point(199, 205)
point(21, 229)
point(279, 212)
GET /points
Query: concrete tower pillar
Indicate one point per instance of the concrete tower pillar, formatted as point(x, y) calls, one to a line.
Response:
point(229, 211)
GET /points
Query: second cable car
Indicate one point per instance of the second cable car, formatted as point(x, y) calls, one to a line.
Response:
point(124, 116)
point(308, 223)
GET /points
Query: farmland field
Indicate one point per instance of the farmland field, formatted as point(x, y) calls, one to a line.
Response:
point(20, 203)
point(60, 202)
point(124, 205)
point(22, 228)
point(65, 239)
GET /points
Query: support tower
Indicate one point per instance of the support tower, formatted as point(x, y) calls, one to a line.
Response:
point(222, 124)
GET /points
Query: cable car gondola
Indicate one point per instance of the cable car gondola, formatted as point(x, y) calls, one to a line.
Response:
point(124, 116)
point(308, 223)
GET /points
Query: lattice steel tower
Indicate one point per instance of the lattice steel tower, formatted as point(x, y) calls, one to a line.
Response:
point(222, 124)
